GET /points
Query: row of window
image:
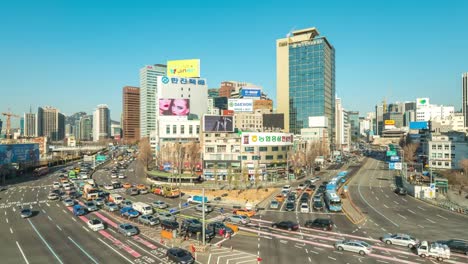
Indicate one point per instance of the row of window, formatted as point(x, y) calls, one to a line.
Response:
point(439, 147)
point(182, 129)
point(445, 155)
point(267, 157)
point(439, 163)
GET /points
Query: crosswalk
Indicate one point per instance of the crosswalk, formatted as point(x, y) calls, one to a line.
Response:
point(226, 255)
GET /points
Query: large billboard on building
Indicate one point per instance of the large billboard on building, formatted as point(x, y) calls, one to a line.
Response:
point(184, 68)
point(174, 107)
point(19, 153)
point(251, 92)
point(419, 125)
point(266, 139)
point(218, 123)
point(273, 121)
point(422, 102)
point(240, 105)
point(318, 121)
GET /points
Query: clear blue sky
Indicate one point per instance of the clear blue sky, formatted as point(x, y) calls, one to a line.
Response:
point(74, 55)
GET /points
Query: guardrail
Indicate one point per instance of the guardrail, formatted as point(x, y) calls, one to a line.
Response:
point(448, 205)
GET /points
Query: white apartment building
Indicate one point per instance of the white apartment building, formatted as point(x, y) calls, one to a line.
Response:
point(101, 123)
point(249, 121)
point(148, 92)
point(432, 112)
point(445, 151)
point(454, 122)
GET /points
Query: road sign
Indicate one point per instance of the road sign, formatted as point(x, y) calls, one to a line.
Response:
point(185, 204)
point(391, 165)
point(398, 166)
point(391, 153)
point(394, 158)
point(432, 186)
point(173, 210)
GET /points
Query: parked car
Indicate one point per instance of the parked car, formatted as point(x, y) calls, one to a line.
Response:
point(26, 213)
point(208, 208)
point(95, 224)
point(318, 205)
point(111, 207)
point(286, 188)
point(320, 223)
point(290, 206)
point(216, 226)
point(160, 205)
point(148, 220)
point(90, 206)
point(129, 212)
point(456, 245)
point(356, 246)
point(400, 191)
point(304, 208)
point(53, 196)
point(69, 202)
point(274, 205)
point(191, 222)
point(287, 225)
point(400, 239)
point(169, 225)
point(108, 186)
point(179, 255)
point(317, 197)
point(238, 219)
point(166, 216)
point(99, 201)
point(126, 203)
point(302, 186)
point(132, 191)
point(128, 229)
point(56, 185)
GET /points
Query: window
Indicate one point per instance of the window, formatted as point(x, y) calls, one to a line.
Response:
point(190, 129)
point(439, 163)
point(434, 147)
point(182, 129)
point(244, 157)
point(222, 148)
point(283, 148)
point(446, 155)
point(453, 147)
point(434, 155)
point(249, 149)
point(434, 163)
point(439, 147)
point(274, 148)
point(453, 156)
point(439, 155)
point(263, 149)
point(280, 157)
point(210, 150)
point(255, 157)
point(217, 135)
point(168, 129)
point(447, 164)
point(198, 129)
point(269, 157)
point(446, 147)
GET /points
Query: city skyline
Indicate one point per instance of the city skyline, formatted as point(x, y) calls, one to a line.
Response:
point(93, 70)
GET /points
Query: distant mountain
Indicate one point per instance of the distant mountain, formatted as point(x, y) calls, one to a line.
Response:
point(73, 118)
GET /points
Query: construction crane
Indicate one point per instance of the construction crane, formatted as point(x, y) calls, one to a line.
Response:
point(9, 115)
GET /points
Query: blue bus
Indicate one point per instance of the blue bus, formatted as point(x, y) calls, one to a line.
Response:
point(332, 201)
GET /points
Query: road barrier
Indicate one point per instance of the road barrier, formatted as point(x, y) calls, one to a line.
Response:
point(166, 234)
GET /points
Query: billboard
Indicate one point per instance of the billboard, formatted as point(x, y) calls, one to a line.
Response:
point(419, 125)
point(318, 121)
point(19, 153)
point(240, 105)
point(389, 122)
point(217, 123)
point(251, 92)
point(184, 68)
point(174, 107)
point(273, 121)
point(228, 112)
point(267, 139)
point(422, 102)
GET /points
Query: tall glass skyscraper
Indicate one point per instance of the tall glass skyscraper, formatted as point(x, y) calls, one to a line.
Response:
point(305, 65)
point(148, 90)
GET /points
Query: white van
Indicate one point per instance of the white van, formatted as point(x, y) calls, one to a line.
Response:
point(144, 209)
point(116, 198)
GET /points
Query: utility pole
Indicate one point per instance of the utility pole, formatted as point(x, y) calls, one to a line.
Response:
point(203, 216)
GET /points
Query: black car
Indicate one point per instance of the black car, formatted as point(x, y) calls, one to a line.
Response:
point(197, 230)
point(313, 187)
point(179, 255)
point(318, 205)
point(321, 189)
point(456, 245)
point(320, 223)
point(290, 206)
point(216, 226)
point(191, 222)
point(169, 225)
point(400, 191)
point(291, 198)
point(304, 199)
point(287, 225)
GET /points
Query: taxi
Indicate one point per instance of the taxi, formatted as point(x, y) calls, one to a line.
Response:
point(244, 212)
point(127, 185)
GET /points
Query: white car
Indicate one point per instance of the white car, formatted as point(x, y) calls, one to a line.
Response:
point(302, 186)
point(114, 176)
point(304, 208)
point(95, 224)
point(108, 186)
point(400, 239)
point(121, 176)
point(287, 188)
point(66, 186)
point(52, 196)
point(56, 185)
point(160, 204)
point(357, 246)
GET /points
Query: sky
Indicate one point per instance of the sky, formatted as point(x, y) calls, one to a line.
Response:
point(74, 55)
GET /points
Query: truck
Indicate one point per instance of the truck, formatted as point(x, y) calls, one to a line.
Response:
point(91, 182)
point(78, 210)
point(144, 209)
point(433, 250)
point(89, 192)
point(166, 191)
point(197, 199)
point(116, 198)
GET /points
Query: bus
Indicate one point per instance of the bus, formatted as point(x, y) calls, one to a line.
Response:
point(72, 174)
point(332, 201)
point(41, 171)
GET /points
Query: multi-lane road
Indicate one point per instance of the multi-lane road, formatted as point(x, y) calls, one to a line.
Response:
point(54, 235)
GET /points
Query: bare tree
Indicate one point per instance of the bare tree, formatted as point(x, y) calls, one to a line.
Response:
point(146, 153)
point(464, 166)
point(193, 155)
point(410, 151)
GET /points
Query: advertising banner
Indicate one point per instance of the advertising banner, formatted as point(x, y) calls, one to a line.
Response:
point(422, 102)
point(19, 153)
point(389, 122)
point(217, 123)
point(251, 92)
point(174, 107)
point(267, 139)
point(240, 105)
point(184, 68)
point(228, 112)
point(419, 125)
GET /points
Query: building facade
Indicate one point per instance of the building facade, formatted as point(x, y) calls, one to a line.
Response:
point(353, 117)
point(305, 72)
point(249, 121)
point(465, 97)
point(148, 92)
point(101, 123)
point(30, 124)
point(446, 150)
point(50, 123)
point(86, 128)
point(131, 113)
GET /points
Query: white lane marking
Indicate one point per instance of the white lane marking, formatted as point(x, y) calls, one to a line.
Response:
point(421, 208)
point(404, 199)
point(87, 230)
point(385, 206)
point(82, 250)
point(73, 219)
point(331, 258)
point(59, 227)
point(45, 242)
point(442, 217)
point(310, 260)
point(430, 220)
point(411, 211)
point(129, 261)
point(314, 252)
point(6, 220)
point(22, 253)
point(376, 198)
point(49, 218)
point(14, 209)
point(112, 230)
point(43, 211)
point(11, 230)
point(396, 202)
point(48, 204)
point(5, 212)
point(63, 210)
point(421, 226)
point(57, 205)
point(402, 216)
point(362, 197)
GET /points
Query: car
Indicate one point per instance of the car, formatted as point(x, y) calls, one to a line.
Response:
point(304, 208)
point(279, 198)
point(238, 219)
point(95, 224)
point(169, 225)
point(309, 191)
point(400, 239)
point(179, 255)
point(148, 219)
point(90, 206)
point(320, 223)
point(400, 191)
point(128, 229)
point(246, 212)
point(132, 191)
point(69, 202)
point(56, 185)
point(121, 176)
point(67, 186)
point(287, 225)
point(99, 201)
point(126, 203)
point(116, 184)
point(356, 246)
point(192, 222)
point(114, 176)
point(166, 216)
point(318, 205)
point(127, 185)
point(322, 189)
point(129, 212)
point(290, 206)
point(274, 204)
point(286, 188)
point(302, 186)
point(26, 213)
point(317, 197)
point(111, 207)
point(108, 186)
point(143, 191)
point(53, 196)
point(208, 208)
point(304, 200)
point(217, 225)
point(313, 187)
point(456, 245)
point(291, 198)
point(284, 193)
point(160, 204)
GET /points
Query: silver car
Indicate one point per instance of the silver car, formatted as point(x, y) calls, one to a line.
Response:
point(69, 202)
point(99, 201)
point(238, 219)
point(90, 206)
point(148, 220)
point(111, 207)
point(357, 246)
point(274, 205)
point(128, 230)
point(160, 205)
point(166, 216)
point(400, 240)
point(208, 208)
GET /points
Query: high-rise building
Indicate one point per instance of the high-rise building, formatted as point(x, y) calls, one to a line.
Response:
point(86, 128)
point(101, 123)
point(305, 77)
point(30, 125)
point(148, 91)
point(379, 123)
point(22, 126)
point(465, 97)
point(353, 117)
point(131, 113)
point(342, 129)
point(213, 92)
point(50, 123)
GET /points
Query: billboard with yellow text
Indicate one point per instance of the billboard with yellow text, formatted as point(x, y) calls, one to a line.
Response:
point(184, 68)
